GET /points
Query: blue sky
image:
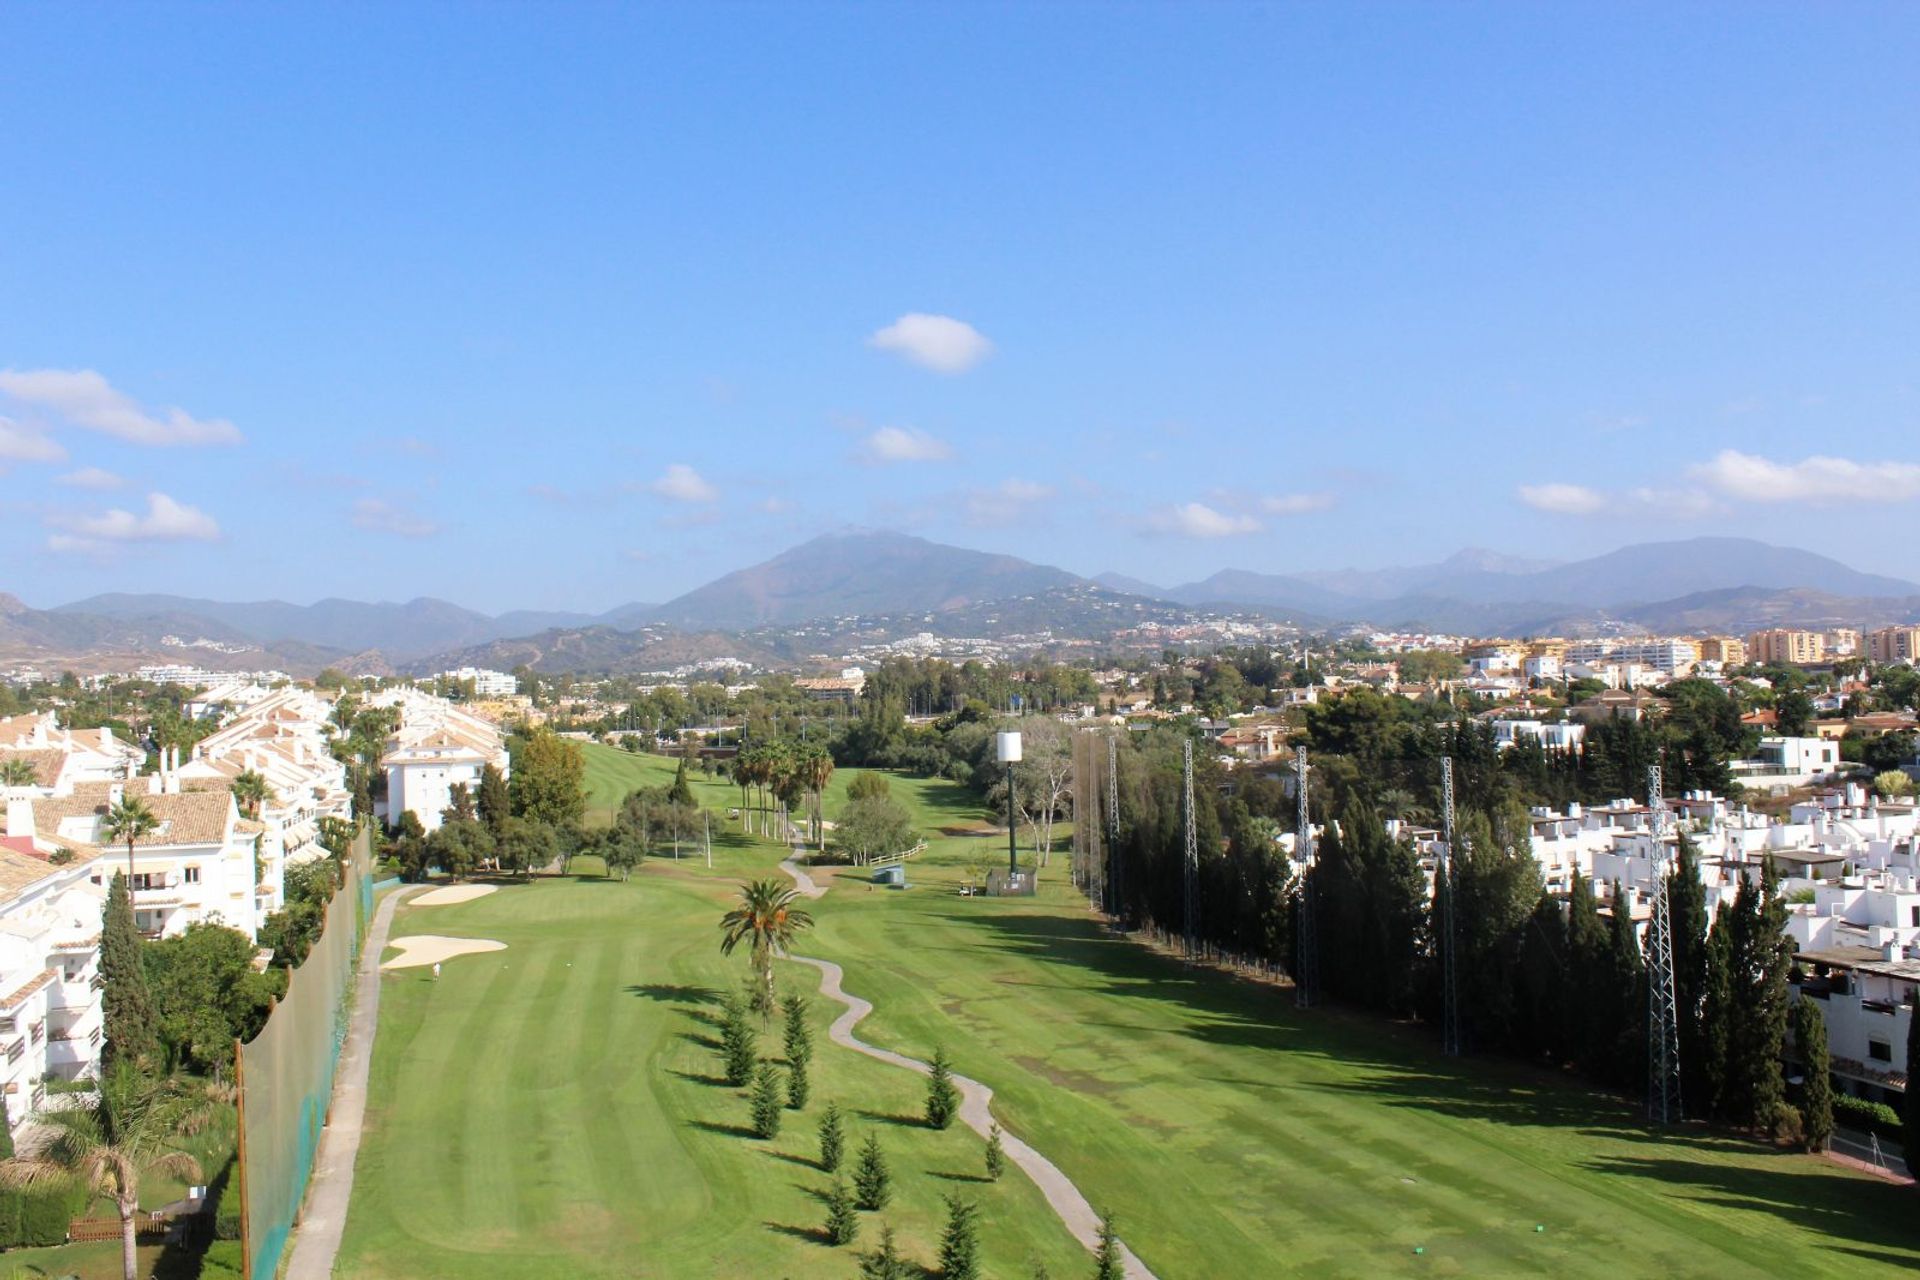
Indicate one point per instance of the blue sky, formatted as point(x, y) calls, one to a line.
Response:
point(565, 306)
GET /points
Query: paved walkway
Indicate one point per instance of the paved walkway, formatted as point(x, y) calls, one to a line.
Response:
point(323, 1218)
point(803, 882)
point(974, 1110)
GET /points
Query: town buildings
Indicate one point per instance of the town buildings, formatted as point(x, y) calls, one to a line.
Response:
point(1783, 646)
point(437, 747)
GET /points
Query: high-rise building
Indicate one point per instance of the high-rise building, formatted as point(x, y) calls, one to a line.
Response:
point(1894, 644)
point(1786, 647)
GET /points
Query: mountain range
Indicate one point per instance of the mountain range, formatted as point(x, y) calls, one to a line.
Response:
point(876, 584)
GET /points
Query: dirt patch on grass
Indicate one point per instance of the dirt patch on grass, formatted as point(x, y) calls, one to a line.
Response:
point(1083, 1082)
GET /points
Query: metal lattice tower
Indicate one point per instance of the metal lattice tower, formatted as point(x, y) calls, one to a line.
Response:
point(1443, 894)
point(1113, 824)
point(1193, 854)
point(1663, 1017)
point(1306, 974)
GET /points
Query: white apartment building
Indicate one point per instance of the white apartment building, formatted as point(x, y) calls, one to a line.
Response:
point(486, 684)
point(438, 747)
point(285, 737)
point(1551, 736)
point(62, 758)
point(1894, 644)
point(50, 1016)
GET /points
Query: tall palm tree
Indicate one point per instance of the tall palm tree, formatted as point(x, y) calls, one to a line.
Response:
point(129, 820)
point(249, 792)
point(768, 921)
point(17, 772)
point(819, 770)
point(132, 1123)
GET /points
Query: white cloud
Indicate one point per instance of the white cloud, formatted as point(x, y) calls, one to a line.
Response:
point(682, 483)
point(1563, 499)
point(376, 515)
point(85, 399)
point(90, 478)
point(165, 520)
point(1813, 480)
point(904, 444)
point(939, 343)
point(21, 444)
point(1006, 503)
point(1296, 504)
point(1198, 520)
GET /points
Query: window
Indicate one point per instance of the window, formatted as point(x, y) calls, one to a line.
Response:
point(1880, 1051)
point(1916, 915)
point(193, 875)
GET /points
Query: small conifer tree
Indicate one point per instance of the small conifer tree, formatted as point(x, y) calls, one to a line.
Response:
point(766, 1101)
point(739, 1046)
point(843, 1224)
point(797, 1038)
point(833, 1138)
point(943, 1100)
point(996, 1154)
point(797, 1085)
point(960, 1243)
point(872, 1182)
point(1108, 1262)
point(884, 1262)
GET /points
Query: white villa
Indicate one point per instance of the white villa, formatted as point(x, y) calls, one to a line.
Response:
point(285, 737)
point(50, 1019)
point(438, 747)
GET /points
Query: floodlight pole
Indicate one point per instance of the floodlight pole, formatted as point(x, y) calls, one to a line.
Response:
point(1007, 747)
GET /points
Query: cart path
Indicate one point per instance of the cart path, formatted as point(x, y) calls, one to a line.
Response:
point(323, 1217)
point(803, 883)
point(1060, 1193)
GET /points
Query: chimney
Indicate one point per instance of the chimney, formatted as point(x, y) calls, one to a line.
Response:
point(20, 818)
point(106, 737)
point(116, 793)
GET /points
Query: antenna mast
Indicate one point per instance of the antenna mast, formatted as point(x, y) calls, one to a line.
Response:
point(1663, 1017)
point(1193, 853)
point(1113, 824)
point(1443, 893)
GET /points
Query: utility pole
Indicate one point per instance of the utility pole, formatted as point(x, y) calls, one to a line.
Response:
point(1663, 1019)
point(1192, 860)
point(1306, 977)
point(1443, 892)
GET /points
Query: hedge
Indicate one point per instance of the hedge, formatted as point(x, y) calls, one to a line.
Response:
point(35, 1219)
point(1858, 1113)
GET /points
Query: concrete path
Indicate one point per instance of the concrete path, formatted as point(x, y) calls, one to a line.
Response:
point(974, 1110)
point(323, 1218)
point(803, 882)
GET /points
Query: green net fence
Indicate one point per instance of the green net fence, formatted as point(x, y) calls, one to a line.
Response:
point(286, 1073)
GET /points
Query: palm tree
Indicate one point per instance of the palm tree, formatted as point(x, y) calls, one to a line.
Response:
point(767, 918)
point(129, 820)
point(17, 772)
point(131, 1124)
point(249, 792)
point(819, 769)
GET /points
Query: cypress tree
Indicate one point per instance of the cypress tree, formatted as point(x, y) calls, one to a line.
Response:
point(1774, 952)
point(6, 1133)
point(739, 1045)
point(872, 1183)
point(1716, 1020)
point(843, 1224)
point(1687, 908)
point(996, 1154)
point(130, 1025)
point(1109, 1264)
point(943, 1100)
point(833, 1138)
point(1543, 982)
point(960, 1243)
point(766, 1102)
point(797, 1085)
point(1816, 1096)
point(1585, 1028)
point(681, 793)
point(1627, 1000)
point(797, 1038)
point(495, 800)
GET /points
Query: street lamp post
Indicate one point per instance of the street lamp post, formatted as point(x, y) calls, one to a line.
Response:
point(1006, 749)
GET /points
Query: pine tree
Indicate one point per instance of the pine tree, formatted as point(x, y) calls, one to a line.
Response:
point(943, 1100)
point(1109, 1263)
point(833, 1138)
point(766, 1101)
point(843, 1224)
point(996, 1154)
point(130, 1025)
point(797, 1038)
point(797, 1085)
point(872, 1183)
point(739, 1044)
point(960, 1243)
point(495, 800)
point(885, 1262)
point(1816, 1095)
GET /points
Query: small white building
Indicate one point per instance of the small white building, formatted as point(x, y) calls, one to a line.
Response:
point(437, 747)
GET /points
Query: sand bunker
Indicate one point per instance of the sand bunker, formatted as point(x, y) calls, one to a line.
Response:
point(453, 893)
point(431, 948)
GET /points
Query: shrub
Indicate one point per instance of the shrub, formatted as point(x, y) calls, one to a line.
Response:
point(1874, 1117)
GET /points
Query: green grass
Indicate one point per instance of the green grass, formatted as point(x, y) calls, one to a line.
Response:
point(551, 1119)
